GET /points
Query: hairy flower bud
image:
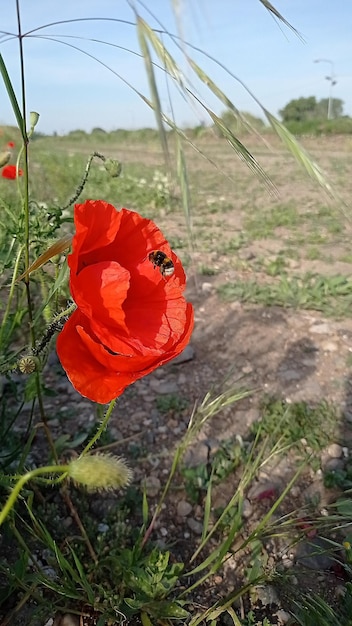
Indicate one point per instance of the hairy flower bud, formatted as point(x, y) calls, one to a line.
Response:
point(113, 167)
point(100, 471)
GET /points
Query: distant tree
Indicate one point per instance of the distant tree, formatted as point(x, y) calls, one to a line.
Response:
point(76, 133)
point(335, 111)
point(299, 110)
point(305, 109)
point(231, 121)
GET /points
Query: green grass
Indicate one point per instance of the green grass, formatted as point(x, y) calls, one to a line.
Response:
point(263, 223)
point(332, 295)
point(314, 610)
point(298, 421)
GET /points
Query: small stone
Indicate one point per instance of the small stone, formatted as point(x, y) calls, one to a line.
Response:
point(320, 329)
point(115, 433)
point(195, 526)
point(163, 531)
point(168, 387)
point(287, 562)
point(207, 287)
point(267, 594)
point(263, 491)
point(290, 375)
point(154, 383)
point(198, 454)
point(184, 508)
point(152, 486)
point(67, 522)
point(140, 416)
point(69, 620)
point(247, 509)
point(332, 465)
point(329, 346)
point(236, 306)
point(335, 450)
point(187, 354)
point(316, 554)
point(103, 528)
point(283, 616)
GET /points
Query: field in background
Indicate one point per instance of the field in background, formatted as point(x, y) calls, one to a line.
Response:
point(238, 226)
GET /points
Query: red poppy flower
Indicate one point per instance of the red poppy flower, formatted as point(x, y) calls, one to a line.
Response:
point(130, 319)
point(10, 171)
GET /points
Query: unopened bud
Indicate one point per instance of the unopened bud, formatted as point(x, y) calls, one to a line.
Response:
point(100, 472)
point(33, 119)
point(4, 158)
point(113, 167)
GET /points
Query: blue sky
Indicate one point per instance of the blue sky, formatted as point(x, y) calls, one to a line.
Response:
point(70, 90)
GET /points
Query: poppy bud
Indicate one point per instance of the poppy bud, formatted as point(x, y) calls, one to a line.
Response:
point(113, 167)
point(4, 158)
point(100, 471)
point(33, 119)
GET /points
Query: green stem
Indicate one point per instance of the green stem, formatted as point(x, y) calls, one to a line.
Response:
point(10, 296)
point(23, 480)
point(80, 187)
point(101, 428)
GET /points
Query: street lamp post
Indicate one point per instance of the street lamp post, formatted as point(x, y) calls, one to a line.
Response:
point(332, 80)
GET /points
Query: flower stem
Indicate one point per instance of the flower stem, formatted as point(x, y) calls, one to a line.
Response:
point(23, 480)
point(101, 428)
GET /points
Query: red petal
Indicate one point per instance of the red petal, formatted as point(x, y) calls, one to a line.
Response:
point(94, 371)
point(157, 319)
point(100, 291)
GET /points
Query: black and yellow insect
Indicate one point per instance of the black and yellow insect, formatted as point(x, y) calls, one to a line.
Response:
point(162, 261)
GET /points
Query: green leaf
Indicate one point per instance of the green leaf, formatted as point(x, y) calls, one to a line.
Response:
point(344, 507)
point(13, 99)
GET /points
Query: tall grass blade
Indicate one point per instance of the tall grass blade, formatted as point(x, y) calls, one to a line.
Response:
point(162, 52)
point(12, 98)
point(241, 150)
point(153, 88)
point(185, 192)
point(221, 95)
point(301, 156)
point(278, 15)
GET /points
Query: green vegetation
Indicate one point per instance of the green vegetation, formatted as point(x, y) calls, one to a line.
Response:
point(298, 424)
point(332, 295)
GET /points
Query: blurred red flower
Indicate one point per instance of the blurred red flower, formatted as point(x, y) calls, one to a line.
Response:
point(10, 171)
point(129, 319)
point(10, 144)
